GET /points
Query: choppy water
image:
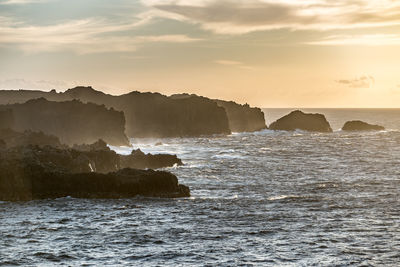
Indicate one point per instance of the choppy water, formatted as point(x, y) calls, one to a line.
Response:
point(265, 198)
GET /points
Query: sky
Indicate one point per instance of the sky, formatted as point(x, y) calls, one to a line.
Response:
point(268, 53)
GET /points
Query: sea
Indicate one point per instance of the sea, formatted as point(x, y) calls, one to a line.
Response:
point(268, 198)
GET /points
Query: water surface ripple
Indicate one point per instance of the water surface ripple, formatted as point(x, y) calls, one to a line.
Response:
point(266, 198)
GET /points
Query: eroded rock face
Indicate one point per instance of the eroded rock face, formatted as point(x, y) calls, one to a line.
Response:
point(298, 120)
point(32, 172)
point(73, 122)
point(361, 126)
point(243, 118)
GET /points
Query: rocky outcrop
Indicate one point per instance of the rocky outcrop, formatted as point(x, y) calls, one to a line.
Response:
point(73, 122)
point(13, 138)
point(6, 119)
point(32, 172)
point(361, 126)
point(139, 160)
point(102, 155)
point(147, 114)
point(156, 115)
point(243, 118)
point(298, 120)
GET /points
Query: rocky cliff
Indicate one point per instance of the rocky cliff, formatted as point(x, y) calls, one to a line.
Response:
point(243, 118)
point(157, 115)
point(72, 121)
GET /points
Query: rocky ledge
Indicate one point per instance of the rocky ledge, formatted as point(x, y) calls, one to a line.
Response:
point(298, 120)
point(33, 172)
point(361, 126)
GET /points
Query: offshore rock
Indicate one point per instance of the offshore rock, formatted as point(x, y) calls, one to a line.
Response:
point(298, 120)
point(73, 122)
point(361, 126)
point(32, 172)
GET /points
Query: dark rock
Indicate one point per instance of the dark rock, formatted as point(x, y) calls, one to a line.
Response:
point(32, 172)
point(3, 145)
point(298, 120)
point(243, 118)
point(139, 160)
point(72, 121)
point(6, 119)
point(12, 138)
point(361, 126)
point(147, 114)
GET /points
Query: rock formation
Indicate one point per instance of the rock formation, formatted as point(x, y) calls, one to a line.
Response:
point(361, 126)
point(139, 160)
point(298, 120)
point(32, 172)
point(156, 115)
point(243, 118)
point(73, 122)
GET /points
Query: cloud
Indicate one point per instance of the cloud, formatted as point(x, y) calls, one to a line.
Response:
point(228, 62)
point(92, 35)
point(365, 81)
point(244, 16)
point(15, 84)
point(234, 63)
point(21, 2)
point(367, 40)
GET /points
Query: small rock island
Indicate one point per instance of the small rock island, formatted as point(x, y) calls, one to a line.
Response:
point(298, 120)
point(361, 126)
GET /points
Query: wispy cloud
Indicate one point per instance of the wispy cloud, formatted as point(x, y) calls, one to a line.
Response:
point(21, 2)
point(228, 62)
point(366, 40)
point(81, 36)
point(365, 81)
point(234, 64)
point(239, 16)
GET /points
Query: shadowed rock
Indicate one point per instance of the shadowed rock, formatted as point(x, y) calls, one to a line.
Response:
point(139, 160)
point(13, 138)
point(32, 172)
point(361, 126)
point(71, 121)
point(298, 120)
point(6, 119)
point(243, 118)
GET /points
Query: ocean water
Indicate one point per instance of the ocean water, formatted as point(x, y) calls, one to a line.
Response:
point(258, 199)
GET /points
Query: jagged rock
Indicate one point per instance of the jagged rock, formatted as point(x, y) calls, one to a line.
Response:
point(361, 126)
point(72, 121)
point(139, 160)
point(298, 120)
point(13, 138)
point(243, 118)
point(32, 172)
